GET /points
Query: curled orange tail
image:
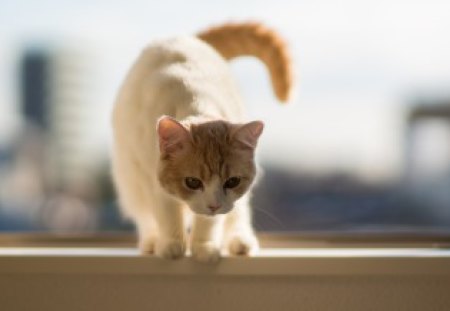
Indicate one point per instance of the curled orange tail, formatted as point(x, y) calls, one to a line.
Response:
point(254, 39)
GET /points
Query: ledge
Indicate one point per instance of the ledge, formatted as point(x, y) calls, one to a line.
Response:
point(108, 276)
point(269, 262)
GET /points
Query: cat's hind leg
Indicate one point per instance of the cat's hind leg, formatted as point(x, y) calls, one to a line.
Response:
point(147, 233)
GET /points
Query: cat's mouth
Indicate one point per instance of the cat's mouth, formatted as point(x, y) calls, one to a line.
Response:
point(208, 213)
point(212, 213)
point(210, 210)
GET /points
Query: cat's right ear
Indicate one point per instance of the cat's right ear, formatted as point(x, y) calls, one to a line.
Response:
point(249, 133)
point(173, 136)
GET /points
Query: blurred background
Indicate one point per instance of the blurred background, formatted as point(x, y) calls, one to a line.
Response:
point(363, 148)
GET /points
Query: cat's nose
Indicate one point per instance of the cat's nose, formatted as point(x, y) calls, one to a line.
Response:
point(213, 208)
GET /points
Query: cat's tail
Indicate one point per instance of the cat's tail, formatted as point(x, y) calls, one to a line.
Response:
point(253, 39)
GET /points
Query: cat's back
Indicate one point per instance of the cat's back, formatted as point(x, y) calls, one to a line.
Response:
point(184, 58)
point(182, 64)
point(169, 74)
point(179, 49)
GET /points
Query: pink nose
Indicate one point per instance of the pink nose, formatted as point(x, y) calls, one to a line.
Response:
point(214, 208)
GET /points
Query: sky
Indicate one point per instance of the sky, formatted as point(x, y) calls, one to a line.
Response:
point(359, 66)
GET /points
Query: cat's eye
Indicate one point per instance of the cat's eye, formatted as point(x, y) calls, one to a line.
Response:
point(193, 183)
point(232, 182)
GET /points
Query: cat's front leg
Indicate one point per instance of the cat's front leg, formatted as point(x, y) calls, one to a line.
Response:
point(240, 235)
point(171, 241)
point(207, 234)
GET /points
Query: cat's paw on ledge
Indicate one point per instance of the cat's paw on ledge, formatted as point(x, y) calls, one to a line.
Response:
point(243, 245)
point(170, 248)
point(147, 245)
point(206, 252)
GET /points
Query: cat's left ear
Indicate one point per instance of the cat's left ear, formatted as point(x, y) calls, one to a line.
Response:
point(249, 133)
point(173, 136)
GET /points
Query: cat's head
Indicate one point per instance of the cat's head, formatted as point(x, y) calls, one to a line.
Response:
point(207, 165)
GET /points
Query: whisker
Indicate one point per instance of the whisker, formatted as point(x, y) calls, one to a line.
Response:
point(269, 215)
point(257, 226)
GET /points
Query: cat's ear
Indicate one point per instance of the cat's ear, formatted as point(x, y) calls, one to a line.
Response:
point(249, 133)
point(173, 136)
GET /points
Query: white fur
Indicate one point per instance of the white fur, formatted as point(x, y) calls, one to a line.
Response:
point(189, 80)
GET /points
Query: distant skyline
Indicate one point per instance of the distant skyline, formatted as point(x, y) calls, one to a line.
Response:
point(359, 65)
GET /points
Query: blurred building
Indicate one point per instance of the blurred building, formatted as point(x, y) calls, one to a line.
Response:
point(427, 142)
point(56, 178)
point(58, 87)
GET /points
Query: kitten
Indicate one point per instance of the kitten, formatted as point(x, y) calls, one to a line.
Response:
point(182, 147)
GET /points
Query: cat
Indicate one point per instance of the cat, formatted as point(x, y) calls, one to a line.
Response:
point(183, 152)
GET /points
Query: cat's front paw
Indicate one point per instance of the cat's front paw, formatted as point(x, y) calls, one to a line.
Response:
point(170, 248)
point(147, 245)
point(243, 245)
point(206, 252)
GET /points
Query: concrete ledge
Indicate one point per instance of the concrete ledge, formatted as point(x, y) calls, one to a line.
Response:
point(269, 262)
point(277, 279)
